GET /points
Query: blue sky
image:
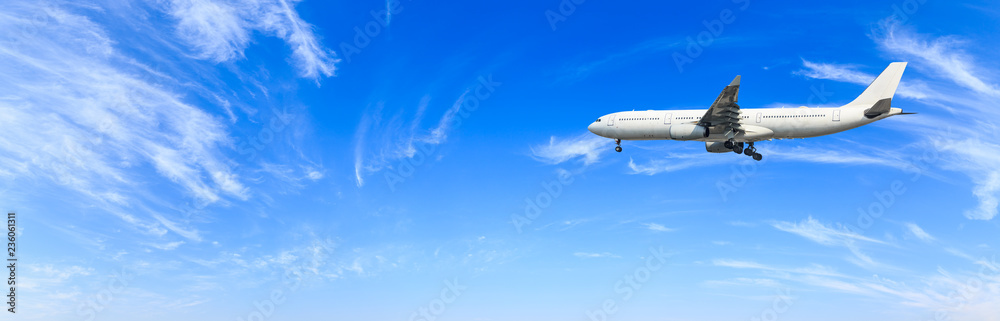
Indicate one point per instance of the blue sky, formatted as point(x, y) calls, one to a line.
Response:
point(261, 159)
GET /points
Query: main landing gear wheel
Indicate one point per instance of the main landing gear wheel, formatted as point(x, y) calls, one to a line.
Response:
point(729, 144)
point(619, 147)
point(752, 152)
point(737, 147)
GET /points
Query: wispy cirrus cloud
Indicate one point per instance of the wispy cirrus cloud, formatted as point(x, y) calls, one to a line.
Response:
point(974, 157)
point(290, 177)
point(686, 158)
point(587, 255)
point(819, 270)
point(918, 232)
point(847, 73)
point(970, 149)
point(932, 292)
point(815, 231)
point(675, 162)
point(651, 47)
point(658, 227)
point(587, 147)
point(857, 156)
point(124, 132)
point(102, 118)
point(379, 141)
point(960, 87)
point(770, 283)
point(220, 30)
point(942, 54)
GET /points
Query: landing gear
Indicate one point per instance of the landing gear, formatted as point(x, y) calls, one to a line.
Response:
point(752, 152)
point(619, 147)
point(736, 147)
point(749, 150)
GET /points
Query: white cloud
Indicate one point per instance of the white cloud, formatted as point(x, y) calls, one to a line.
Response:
point(842, 73)
point(190, 234)
point(830, 236)
point(940, 53)
point(918, 232)
point(82, 114)
point(934, 292)
point(741, 224)
point(587, 146)
point(168, 246)
point(214, 29)
point(55, 275)
point(219, 30)
point(812, 270)
point(677, 161)
point(966, 147)
point(657, 227)
point(651, 47)
point(440, 133)
point(360, 142)
point(959, 88)
point(817, 232)
point(382, 142)
point(314, 174)
point(975, 157)
point(746, 281)
point(908, 87)
point(290, 178)
point(595, 255)
point(856, 156)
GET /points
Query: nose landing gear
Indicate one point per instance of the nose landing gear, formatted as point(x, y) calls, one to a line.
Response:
point(619, 147)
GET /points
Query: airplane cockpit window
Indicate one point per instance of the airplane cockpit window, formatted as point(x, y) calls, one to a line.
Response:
point(598, 120)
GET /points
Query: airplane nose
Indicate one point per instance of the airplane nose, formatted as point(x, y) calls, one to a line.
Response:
point(593, 128)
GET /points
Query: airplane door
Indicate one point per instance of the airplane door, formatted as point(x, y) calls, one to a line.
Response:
point(758, 117)
point(611, 121)
point(666, 119)
point(836, 115)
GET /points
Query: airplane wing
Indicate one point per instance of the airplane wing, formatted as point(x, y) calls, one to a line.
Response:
point(724, 111)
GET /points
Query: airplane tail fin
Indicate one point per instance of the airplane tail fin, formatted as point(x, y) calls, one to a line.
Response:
point(879, 93)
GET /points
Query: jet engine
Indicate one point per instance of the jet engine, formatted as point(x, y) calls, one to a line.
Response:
point(717, 147)
point(687, 132)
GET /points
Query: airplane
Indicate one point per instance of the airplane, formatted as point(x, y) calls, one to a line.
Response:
point(726, 127)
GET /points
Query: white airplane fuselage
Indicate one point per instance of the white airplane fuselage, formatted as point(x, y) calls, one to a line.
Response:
point(759, 123)
point(725, 126)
